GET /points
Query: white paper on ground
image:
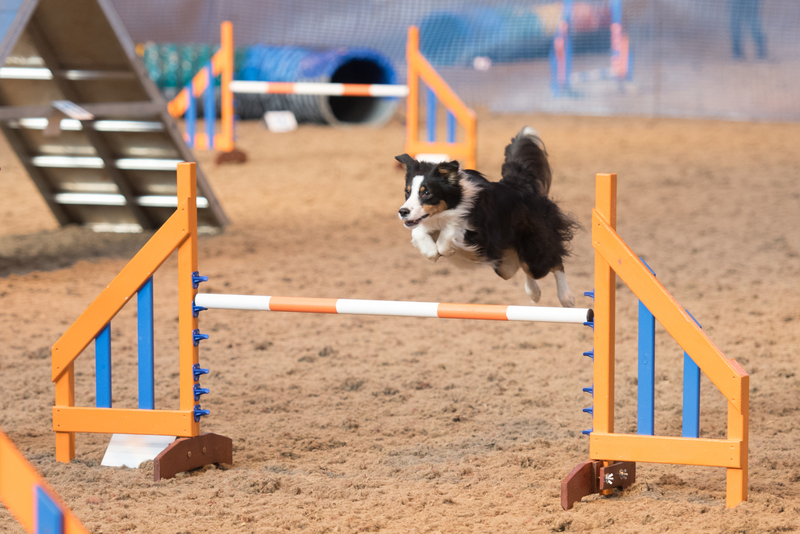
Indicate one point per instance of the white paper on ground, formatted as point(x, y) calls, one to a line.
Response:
point(132, 449)
point(280, 121)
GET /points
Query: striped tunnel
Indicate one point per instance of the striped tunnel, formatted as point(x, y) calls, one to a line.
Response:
point(313, 88)
point(441, 310)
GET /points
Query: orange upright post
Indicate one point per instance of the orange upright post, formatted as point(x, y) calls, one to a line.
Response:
point(222, 65)
point(224, 140)
point(187, 264)
point(739, 429)
point(65, 396)
point(418, 67)
point(412, 100)
point(604, 311)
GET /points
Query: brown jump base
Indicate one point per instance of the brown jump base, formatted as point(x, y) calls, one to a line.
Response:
point(185, 454)
point(593, 477)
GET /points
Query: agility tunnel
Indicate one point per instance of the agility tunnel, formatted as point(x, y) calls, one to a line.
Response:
point(173, 66)
point(422, 80)
point(341, 65)
point(612, 454)
point(511, 33)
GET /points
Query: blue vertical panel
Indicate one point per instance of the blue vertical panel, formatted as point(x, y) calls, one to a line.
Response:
point(49, 518)
point(691, 394)
point(616, 11)
point(691, 398)
point(568, 39)
point(451, 127)
point(144, 314)
point(430, 104)
point(647, 369)
point(102, 357)
point(191, 118)
point(209, 108)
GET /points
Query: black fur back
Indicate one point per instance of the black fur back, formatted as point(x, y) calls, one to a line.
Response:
point(526, 163)
point(515, 213)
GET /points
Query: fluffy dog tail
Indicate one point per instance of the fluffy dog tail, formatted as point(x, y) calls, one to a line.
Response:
point(526, 162)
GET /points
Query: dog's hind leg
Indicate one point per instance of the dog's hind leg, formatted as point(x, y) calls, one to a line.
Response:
point(508, 265)
point(565, 296)
point(532, 289)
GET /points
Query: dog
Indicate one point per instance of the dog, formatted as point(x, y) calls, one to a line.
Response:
point(510, 224)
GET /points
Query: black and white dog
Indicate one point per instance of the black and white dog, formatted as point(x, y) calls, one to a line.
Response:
point(507, 224)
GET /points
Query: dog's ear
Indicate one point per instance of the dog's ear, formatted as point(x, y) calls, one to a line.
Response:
point(449, 171)
point(407, 161)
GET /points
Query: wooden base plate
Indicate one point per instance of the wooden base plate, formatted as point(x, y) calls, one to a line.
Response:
point(185, 454)
point(593, 477)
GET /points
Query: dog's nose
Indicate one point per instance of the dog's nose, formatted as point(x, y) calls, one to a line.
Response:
point(404, 212)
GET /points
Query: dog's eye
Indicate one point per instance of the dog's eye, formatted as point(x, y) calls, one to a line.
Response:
point(408, 194)
point(426, 194)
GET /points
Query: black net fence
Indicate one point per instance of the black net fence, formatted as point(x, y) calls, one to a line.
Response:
point(733, 59)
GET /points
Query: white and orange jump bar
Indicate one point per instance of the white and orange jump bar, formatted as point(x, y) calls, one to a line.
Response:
point(399, 308)
point(310, 88)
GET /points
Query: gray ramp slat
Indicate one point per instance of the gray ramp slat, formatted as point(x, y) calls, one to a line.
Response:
point(96, 68)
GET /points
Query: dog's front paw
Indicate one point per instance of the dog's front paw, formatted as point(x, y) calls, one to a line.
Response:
point(446, 249)
point(428, 249)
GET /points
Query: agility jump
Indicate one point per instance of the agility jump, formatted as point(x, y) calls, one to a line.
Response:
point(436, 90)
point(29, 498)
point(611, 454)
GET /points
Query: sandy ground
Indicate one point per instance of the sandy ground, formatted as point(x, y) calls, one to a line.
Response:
point(367, 424)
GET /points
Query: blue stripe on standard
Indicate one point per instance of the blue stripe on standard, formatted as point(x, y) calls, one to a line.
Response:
point(430, 107)
point(691, 398)
point(210, 108)
point(646, 395)
point(191, 117)
point(144, 313)
point(49, 517)
point(102, 358)
point(451, 127)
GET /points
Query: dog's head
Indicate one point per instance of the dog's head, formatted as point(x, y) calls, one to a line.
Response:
point(431, 188)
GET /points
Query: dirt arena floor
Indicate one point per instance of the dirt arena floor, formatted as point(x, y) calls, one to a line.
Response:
point(368, 424)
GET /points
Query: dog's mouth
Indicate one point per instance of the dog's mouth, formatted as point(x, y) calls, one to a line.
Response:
point(415, 222)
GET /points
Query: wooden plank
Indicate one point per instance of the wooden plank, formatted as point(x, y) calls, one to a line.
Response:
point(17, 481)
point(39, 179)
point(65, 396)
point(666, 309)
point(604, 314)
point(129, 110)
point(174, 232)
point(124, 421)
point(739, 429)
point(188, 352)
point(190, 453)
point(95, 138)
point(666, 450)
point(579, 483)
